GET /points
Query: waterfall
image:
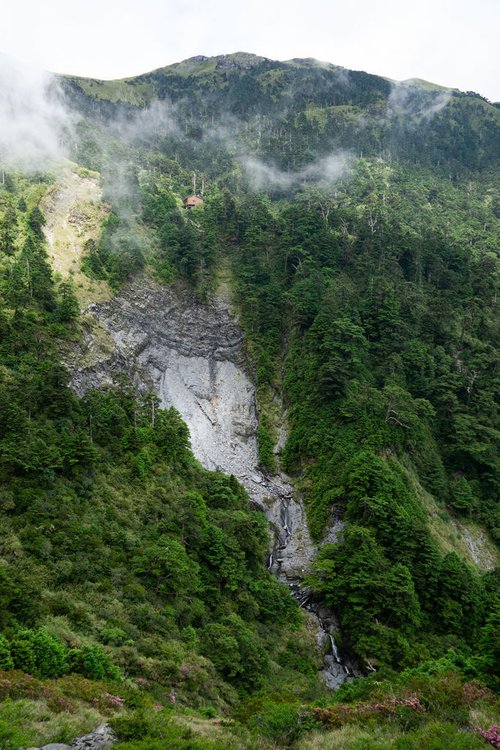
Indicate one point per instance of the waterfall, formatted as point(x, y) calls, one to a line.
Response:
point(334, 648)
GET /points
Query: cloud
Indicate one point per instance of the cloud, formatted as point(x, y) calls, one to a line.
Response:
point(410, 100)
point(328, 169)
point(34, 122)
point(157, 119)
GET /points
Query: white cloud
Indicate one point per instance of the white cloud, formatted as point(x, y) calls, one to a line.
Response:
point(328, 169)
point(407, 100)
point(33, 119)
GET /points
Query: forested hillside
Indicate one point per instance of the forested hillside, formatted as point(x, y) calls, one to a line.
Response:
point(355, 222)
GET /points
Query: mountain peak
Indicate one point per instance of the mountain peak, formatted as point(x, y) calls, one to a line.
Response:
point(233, 60)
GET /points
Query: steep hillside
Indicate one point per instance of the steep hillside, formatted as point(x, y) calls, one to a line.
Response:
point(322, 328)
point(293, 114)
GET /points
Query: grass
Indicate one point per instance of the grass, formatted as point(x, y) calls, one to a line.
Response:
point(126, 90)
point(101, 344)
point(36, 712)
point(466, 538)
point(349, 738)
point(185, 729)
point(75, 213)
point(348, 113)
point(34, 723)
point(433, 736)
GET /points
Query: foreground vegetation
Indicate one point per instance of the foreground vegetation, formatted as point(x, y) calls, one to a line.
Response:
point(432, 707)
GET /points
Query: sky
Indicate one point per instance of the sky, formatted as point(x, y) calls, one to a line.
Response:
point(450, 42)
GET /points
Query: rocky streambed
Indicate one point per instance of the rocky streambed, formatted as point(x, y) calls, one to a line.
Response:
point(192, 355)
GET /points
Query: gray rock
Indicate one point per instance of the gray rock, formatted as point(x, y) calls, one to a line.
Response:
point(99, 739)
point(192, 355)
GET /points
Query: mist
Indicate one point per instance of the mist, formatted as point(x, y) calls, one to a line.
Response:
point(327, 169)
point(35, 124)
point(158, 119)
point(411, 101)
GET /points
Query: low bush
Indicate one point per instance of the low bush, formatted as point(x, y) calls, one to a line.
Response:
point(279, 722)
point(5, 654)
point(93, 662)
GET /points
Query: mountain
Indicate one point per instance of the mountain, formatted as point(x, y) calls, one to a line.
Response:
point(236, 431)
point(321, 107)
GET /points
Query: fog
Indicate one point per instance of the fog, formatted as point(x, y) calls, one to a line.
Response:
point(416, 103)
point(35, 125)
point(328, 170)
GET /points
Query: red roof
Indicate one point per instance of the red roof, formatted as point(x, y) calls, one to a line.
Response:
point(192, 200)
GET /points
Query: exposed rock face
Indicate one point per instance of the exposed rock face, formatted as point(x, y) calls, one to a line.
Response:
point(192, 356)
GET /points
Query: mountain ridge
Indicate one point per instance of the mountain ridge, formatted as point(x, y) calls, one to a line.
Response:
point(248, 60)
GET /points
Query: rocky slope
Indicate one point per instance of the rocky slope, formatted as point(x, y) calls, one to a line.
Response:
point(192, 355)
point(74, 212)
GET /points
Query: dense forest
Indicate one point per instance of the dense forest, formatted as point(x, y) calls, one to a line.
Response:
point(357, 222)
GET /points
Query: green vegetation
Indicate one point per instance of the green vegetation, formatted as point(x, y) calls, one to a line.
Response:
point(121, 556)
point(128, 572)
point(389, 373)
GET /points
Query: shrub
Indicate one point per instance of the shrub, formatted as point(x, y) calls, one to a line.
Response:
point(5, 655)
point(438, 735)
point(50, 654)
point(23, 655)
point(114, 636)
point(93, 662)
point(280, 722)
point(133, 727)
point(39, 652)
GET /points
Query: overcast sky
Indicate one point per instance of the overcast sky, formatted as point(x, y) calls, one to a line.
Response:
point(451, 42)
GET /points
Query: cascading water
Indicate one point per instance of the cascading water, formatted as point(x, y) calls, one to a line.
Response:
point(334, 648)
point(192, 356)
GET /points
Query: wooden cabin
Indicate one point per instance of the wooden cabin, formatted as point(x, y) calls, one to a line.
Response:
point(192, 201)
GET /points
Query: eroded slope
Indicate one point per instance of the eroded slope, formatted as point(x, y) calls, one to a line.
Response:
point(192, 356)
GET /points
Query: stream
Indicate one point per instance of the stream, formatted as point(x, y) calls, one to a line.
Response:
point(337, 666)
